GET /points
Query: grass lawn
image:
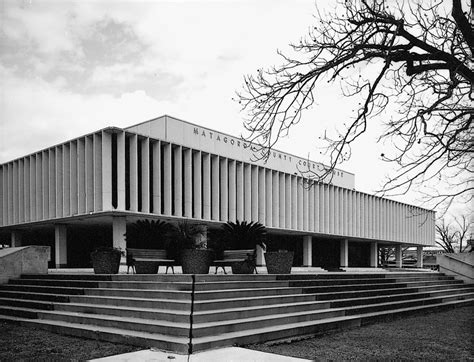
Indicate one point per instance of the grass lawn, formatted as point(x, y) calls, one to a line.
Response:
point(442, 336)
point(18, 343)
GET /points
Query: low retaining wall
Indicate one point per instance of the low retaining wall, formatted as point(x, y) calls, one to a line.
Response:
point(459, 265)
point(23, 260)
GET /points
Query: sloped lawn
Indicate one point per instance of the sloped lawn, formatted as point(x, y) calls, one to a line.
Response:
point(441, 336)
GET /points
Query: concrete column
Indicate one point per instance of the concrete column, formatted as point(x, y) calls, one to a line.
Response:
point(419, 257)
point(156, 182)
point(261, 195)
point(15, 239)
point(97, 166)
point(294, 203)
point(224, 190)
point(268, 198)
point(248, 192)
point(311, 206)
point(133, 174)
point(215, 186)
point(145, 173)
point(60, 245)
point(240, 191)
point(275, 199)
point(206, 185)
point(307, 250)
point(287, 223)
point(89, 168)
point(282, 203)
point(197, 178)
point(119, 228)
point(260, 258)
point(167, 179)
point(398, 256)
point(232, 192)
point(106, 172)
point(344, 253)
point(254, 192)
point(188, 183)
point(374, 254)
point(52, 181)
point(178, 181)
point(120, 171)
point(305, 196)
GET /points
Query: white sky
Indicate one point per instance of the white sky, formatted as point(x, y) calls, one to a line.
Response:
point(68, 68)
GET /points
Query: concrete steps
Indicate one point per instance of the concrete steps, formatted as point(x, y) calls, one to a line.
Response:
point(264, 334)
point(155, 310)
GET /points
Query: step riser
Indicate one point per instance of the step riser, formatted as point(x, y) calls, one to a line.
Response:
point(125, 313)
point(244, 293)
point(121, 302)
point(239, 285)
point(7, 311)
point(258, 312)
point(274, 322)
point(357, 287)
point(26, 304)
point(451, 292)
point(361, 294)
point(30, 296)
point(39, 289)
point(250, 302)
point(103, 284)
point(168, 278)
point(147, 286)
point(148, 294)
point(54, 283)
point(122, 324)
point(337, 282)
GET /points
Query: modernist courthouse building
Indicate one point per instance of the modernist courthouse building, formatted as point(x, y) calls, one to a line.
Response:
point(83, 193)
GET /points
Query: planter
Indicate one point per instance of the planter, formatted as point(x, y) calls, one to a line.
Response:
point(196, 261)
point(146, 267)
point(106, 261)
point(243, 267)
point(279, 262)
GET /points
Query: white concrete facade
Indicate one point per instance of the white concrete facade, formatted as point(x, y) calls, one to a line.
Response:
point(170, 168)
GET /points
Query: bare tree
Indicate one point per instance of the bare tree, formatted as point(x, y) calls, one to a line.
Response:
point(453, 238)
point(410, 59)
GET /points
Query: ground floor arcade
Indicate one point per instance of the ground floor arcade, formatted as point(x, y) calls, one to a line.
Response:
point(72, 242)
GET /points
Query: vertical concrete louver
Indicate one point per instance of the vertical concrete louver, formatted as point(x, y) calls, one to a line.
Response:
point(124, 171)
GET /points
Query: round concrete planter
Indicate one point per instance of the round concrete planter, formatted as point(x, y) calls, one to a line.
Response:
point(196, 261)
point(106, 261)
point(279, 262)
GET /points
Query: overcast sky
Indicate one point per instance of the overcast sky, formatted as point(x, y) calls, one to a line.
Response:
point(69, 68)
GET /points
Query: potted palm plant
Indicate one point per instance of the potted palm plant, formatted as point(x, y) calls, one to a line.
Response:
point(244, 235)
point(106, 260)
point(191, 247)
point(278, 259)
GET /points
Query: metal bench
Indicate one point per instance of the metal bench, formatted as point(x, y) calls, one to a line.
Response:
point(232, 256)
point(155, 257)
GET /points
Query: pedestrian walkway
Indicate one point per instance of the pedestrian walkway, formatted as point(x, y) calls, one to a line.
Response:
point(228, 354)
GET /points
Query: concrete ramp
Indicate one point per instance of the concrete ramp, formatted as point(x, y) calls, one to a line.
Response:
point(459, 265)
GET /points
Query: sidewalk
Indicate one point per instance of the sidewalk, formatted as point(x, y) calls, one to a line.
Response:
point(228, 354)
